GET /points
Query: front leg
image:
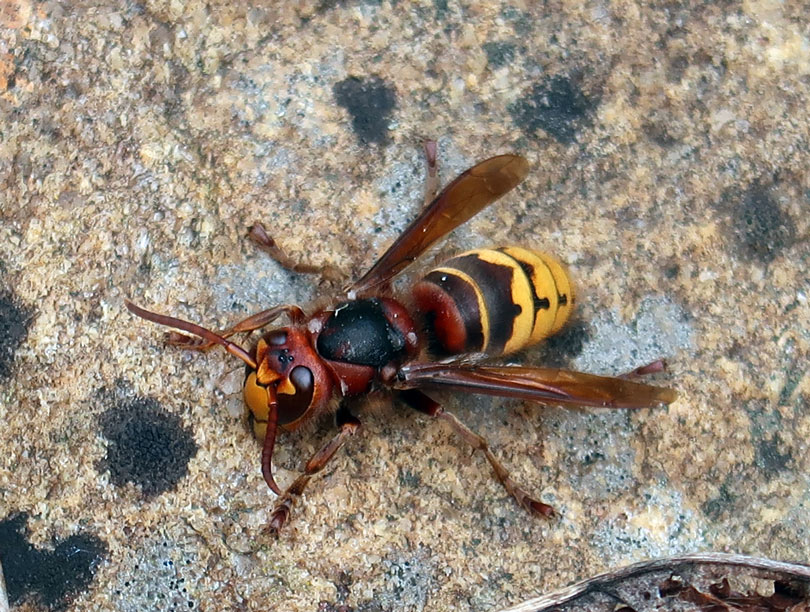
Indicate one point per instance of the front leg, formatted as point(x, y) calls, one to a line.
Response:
point(426, 405)
point(349, 425)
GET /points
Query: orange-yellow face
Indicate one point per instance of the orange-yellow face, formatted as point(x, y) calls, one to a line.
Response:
point(290, 378)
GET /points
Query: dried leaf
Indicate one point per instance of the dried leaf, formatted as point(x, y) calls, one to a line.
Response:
point(708, 582)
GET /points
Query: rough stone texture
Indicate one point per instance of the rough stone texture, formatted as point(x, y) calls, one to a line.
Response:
point(669, 148)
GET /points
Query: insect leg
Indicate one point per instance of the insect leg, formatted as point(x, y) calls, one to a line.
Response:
point(260, 319)
point(421, 402)
point(655, 367)
point(432, 180)
point(349, 425)
point(260, 236)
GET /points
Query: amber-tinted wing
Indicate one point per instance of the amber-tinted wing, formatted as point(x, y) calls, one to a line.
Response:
point(468, 194)
point(547, 385)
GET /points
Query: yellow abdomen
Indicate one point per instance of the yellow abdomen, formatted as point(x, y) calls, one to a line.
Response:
point(495, 301)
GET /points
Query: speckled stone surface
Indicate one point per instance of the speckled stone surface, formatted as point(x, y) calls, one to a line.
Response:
point(670, 148)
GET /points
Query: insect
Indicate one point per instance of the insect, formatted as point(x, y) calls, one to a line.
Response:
point(446, 334)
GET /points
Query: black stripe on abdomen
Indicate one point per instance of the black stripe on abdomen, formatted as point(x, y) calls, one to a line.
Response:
point(494, 281)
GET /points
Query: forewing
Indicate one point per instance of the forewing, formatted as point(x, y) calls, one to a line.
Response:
point(547, 385)
point(468, 194)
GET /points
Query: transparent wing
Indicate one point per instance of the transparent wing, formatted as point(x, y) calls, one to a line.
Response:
point(467, 195)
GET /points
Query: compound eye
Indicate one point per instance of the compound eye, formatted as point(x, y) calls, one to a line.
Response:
point(292, 406)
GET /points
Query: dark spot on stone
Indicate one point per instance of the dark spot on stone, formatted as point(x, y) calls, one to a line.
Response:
point(761, 228)
point(409, 578)
point(659, 131)
point(560, 349)
point(409, 478)
point(53, 577)
point(499, 53)
point(326, 606)
point(441, 8)
point(328, 5)
point(14, 323)
point(737, 351)
point(343, 587)
point(793, 378)
point(369, 102)
point(591, 458)
point(714, 508)
point(522, 22)
point(556, 105)
point(676, 68)
point(147, 446)
point(769, 458)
